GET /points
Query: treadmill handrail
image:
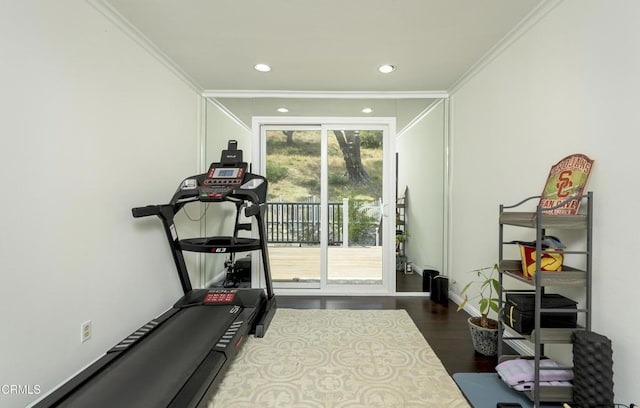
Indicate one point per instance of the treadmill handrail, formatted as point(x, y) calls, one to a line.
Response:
point(147, 211)
point(246, 195)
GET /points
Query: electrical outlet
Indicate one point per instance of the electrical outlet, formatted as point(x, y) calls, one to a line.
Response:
point(85, 331)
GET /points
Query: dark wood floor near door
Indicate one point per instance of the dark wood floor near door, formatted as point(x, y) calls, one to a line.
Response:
point(408, 282)
point(444, 329)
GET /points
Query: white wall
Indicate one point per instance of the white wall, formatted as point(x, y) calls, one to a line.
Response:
point(567, 85)
point(91, 126)
point(421, 170)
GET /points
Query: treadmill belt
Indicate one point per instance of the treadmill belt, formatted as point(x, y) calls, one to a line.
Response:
point(152, 371)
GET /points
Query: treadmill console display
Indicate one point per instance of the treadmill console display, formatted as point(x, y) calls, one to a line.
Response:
point(222, 173)
point(221, 180)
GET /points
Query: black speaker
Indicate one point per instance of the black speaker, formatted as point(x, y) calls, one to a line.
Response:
point(592, 369)
point(427, 276)
point(440, 290)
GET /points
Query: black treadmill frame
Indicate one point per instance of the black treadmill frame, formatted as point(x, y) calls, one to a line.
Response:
point(254, 204)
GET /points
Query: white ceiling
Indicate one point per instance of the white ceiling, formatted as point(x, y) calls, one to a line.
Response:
point(324, 45)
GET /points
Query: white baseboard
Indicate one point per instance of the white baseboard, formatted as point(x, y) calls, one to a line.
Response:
point(216, 278)
point(420, 270)
point(417, 269)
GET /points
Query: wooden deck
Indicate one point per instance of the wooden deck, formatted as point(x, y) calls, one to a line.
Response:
point(345, 264)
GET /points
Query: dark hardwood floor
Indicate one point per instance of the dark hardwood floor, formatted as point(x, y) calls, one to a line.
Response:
point(444, 329)
point(408, 282)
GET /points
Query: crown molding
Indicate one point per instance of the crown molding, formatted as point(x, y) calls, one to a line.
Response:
point(501, 46)
point(325, 94)
point(136, 35)
point(418, 118)
point(228, 113)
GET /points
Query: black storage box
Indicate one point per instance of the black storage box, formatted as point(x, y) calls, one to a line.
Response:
point(518, 312)
point(440, 290)
point(427, 277)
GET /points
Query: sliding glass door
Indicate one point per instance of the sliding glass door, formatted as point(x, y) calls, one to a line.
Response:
point(325, 217)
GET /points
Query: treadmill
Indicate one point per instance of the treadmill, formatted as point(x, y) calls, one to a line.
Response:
point(178, 358)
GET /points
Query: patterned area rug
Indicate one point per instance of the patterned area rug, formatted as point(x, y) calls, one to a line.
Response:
point(338, 359)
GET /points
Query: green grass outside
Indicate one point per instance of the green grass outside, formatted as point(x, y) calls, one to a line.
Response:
point(293, 170)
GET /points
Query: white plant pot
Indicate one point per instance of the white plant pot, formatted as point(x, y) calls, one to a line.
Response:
point(485, 341)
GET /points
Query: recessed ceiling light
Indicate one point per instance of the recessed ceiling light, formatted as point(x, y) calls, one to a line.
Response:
point(385, 69)
point(367, 110)
point(283, 110)
point(262, 67)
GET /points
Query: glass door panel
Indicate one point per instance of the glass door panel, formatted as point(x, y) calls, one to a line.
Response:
point(354, 206)
point(293, 168)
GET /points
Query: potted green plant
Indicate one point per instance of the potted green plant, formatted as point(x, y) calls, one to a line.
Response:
point(401, 237)
point(484, 330)
point(401, 258)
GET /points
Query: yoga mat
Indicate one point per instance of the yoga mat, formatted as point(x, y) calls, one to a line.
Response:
point(485, 390)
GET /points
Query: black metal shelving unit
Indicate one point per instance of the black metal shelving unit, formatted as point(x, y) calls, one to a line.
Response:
point(511, 269)
point(401, 232)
